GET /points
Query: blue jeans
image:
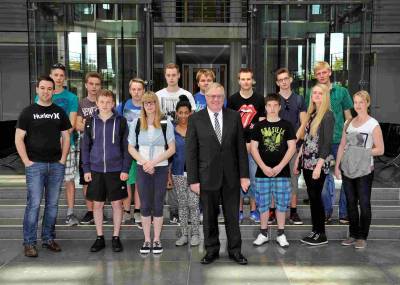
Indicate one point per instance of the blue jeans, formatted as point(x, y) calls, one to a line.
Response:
point(42, 177)
point(252, 173)
point(328, 193)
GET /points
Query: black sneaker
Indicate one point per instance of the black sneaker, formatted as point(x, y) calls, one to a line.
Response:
point(98, 245)
point(295, 219)
point(88, 218)
point(146, 247)
point(308, 238)
point(317, 239)
point(116, 244)
point(157, 247)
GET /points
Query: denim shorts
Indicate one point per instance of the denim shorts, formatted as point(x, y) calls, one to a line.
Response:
point(279, 187)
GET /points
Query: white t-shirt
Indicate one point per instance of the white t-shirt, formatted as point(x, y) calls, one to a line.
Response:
point(168, 100)
point(365, 133)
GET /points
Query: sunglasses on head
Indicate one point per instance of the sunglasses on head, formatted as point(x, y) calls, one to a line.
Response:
point(58, 66)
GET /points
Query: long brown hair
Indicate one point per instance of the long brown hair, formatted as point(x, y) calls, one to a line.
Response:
point(150, 96)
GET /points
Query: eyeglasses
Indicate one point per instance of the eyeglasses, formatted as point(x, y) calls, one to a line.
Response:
point(58, 66)
point(286, 79)
point(216, 97)
point(151, 103)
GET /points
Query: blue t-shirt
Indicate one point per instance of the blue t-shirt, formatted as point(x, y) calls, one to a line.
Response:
point(178, 164)
point(68, 101)
point(200, 100)
point(130, 112)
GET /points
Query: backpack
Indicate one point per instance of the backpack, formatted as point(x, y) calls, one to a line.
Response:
point(164, 131)
point(89, 129)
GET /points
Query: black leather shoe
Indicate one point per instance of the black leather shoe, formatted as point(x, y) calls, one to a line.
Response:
point(238, 258)
point(209, 258)
point(98, 245)
point(116, 244)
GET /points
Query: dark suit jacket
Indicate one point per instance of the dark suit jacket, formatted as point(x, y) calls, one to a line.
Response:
point(207, 161)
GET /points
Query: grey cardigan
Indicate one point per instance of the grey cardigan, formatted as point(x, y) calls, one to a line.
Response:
point(325, 133)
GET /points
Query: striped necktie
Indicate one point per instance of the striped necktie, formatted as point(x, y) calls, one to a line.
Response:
point(217, 127)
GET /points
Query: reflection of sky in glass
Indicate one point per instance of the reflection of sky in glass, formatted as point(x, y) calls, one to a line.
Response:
point(91, 51)
point(300, 59)
point(316, 9)
point(109, 57)
point(319, 47)
point(75, 50)
point(336, 51)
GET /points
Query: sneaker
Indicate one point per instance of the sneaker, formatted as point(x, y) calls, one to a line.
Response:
point(126, 217)
point(348, 242)
point(282, 241)
point(88, 218)
point(317, 239)
point(241, 217)
point(255, 216)
point(195, 240)
point(98, 245)
point(157, 247)
point(72, 220)
point(344, 221)
point(295, 219)
point(146, 247)
point(360, 244)
point(137, 217)
point(116, 244)
point(260, 240)
point(30, 250)
point(308, 238)
point(271, 218)
point(182, 240)
point(174, 220)
point(328, 220)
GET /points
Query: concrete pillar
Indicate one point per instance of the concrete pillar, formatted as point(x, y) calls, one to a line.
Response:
point(169, 52)
point(235, 62)
point(168, 11)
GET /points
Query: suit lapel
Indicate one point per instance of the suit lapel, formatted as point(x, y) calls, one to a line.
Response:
point(207, 119)
point(225, 122)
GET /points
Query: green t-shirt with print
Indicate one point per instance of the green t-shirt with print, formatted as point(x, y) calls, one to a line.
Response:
point(340, 102)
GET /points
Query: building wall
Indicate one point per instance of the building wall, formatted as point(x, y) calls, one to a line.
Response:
point(14, 59)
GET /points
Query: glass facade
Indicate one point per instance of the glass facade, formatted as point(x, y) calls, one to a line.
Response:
point(122, 39)
point(107, 38)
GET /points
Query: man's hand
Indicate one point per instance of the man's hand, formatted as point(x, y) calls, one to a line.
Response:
point(277, 169)
point(88, 177)
point(195, 188)
point(338, 174)
point(28, 163)
point(123, 176)
point(245, 184)
point(268, 171)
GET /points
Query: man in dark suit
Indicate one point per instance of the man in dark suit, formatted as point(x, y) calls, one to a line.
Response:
point(217, 166)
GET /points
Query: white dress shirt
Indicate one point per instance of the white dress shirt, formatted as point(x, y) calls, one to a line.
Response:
point(212, 118)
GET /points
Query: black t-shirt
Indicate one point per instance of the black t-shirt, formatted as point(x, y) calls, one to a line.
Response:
point(250, 109)
point(43, 126)
point(272, 140)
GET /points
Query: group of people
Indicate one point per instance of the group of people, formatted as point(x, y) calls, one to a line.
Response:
point(214, 150)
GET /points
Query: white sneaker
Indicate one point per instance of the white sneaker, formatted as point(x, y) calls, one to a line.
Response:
point(195, 240)
point(260, 240)
point(282, 241)
point(137, 217)
point(182, 241)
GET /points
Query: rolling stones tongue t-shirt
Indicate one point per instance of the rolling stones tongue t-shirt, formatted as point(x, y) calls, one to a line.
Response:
point(250, 109)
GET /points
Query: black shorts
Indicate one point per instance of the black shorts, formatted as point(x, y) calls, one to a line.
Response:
point(106, 186)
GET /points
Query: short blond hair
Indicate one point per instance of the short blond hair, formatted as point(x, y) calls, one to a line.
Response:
point(215, 85)
point(206, 73)
point(171, 66)
point(364, 95)
point(321, 65)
